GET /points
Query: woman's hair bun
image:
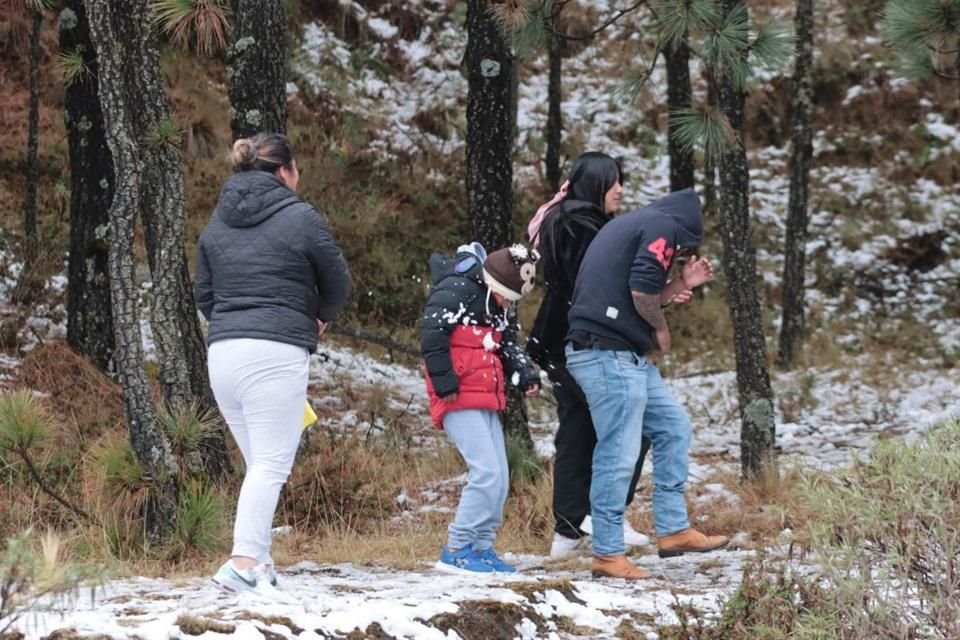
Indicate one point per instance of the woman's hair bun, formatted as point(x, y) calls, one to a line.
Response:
point(244, 153)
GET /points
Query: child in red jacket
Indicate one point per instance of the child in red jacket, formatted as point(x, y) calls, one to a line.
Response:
point(469, 352)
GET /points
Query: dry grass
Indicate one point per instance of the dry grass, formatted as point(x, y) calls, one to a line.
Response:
point(84, 400)
point(762, 509)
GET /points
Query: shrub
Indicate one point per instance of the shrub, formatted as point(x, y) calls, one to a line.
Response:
point(203, 521)
point(887, 535)
point(522, 459)
point(768, 605)
point(885, 540)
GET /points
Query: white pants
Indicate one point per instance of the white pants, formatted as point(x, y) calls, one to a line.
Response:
point(261, 388)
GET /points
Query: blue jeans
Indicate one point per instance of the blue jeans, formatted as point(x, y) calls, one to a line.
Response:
point(479, 438)
point(628, 399)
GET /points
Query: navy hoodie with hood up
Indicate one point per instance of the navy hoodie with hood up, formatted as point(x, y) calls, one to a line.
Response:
point(632, 252)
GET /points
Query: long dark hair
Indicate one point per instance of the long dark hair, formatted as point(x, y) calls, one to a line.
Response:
point(591, 176)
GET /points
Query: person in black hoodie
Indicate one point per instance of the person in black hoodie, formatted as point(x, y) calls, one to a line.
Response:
point(563, 230)
point(616, 320)
point(269, 278)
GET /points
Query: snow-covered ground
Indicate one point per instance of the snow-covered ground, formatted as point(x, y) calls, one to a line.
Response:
point(848, 414)
point(335, 600)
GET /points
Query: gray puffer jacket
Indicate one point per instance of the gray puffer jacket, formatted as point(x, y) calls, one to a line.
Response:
point(267, 265)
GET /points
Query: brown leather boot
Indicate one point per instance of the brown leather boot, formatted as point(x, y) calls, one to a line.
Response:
point(688, 541)
point(617, 567)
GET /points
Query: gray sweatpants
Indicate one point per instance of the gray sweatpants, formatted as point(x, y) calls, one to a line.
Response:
point(479, 438)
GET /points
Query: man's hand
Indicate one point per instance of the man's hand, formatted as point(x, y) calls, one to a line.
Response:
point(679, 298)
point(696, 272)
point(663, 340)
point(321, 327)
point(450, 398)
point(532, 390)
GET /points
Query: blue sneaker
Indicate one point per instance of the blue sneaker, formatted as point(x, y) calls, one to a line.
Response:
point(463, 560)
point(490, 557)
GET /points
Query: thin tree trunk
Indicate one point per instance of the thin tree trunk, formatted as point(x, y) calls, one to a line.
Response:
point(89, 320)
point(257, 60)
point(554, 113)
point(757, 454)
point(794, 265)
point(490, 125)
point(679, 96)
point(710, 167)
point(33, 138)
point(120, 30)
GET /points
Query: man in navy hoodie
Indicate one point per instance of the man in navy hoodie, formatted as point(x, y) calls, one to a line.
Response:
point(616, 320)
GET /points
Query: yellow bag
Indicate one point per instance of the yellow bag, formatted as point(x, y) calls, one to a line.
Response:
point(309, 416)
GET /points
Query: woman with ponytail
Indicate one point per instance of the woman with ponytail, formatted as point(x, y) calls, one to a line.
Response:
point(269, 278)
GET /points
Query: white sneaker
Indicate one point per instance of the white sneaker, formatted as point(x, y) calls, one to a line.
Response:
point(267, 588)
point(258, 582)
point(564, 546)
point(631, 537)
point(234, 580)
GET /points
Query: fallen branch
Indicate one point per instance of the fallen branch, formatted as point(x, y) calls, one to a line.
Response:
point(369, 336)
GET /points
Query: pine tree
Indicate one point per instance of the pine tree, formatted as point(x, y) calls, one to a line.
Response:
point(126, 50)
point(554, 113)
point(89, 319)
point(490, 124)
point(794, 254)
point(33, 134)
point(679, 96)
point(925, 38)
point(201, 25)
point(257, 68)
point(732, 47)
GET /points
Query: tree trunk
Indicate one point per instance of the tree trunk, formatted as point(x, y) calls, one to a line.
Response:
point(757, 453)
point(710, 167)
point(679, 96)
point(178, 336)
point(257, 68)
point(554, 113)
point(121, 31)
point(490, 124)
point(489, 129)
point(33, 139)
point(792, 326)
point(89, 320)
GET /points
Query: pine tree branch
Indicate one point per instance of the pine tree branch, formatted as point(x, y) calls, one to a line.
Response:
point(566, 36)
point(21, 451)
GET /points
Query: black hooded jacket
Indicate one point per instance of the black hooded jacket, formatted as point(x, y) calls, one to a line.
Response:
point(632, 252)
point(564, 237)
point(460, 298)
point(267, 265)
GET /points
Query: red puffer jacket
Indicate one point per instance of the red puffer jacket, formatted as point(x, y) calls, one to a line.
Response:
point(479, 369)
